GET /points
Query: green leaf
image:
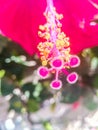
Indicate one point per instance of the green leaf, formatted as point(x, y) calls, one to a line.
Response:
point(30, 88)
point(53, 106)
point(90, 103)
point(95, 51)
point(71, 94)
point(7, 87)
point(95, 82)
point(16, 104)
point(47, 126)
point(32, 106)
point(2, 73)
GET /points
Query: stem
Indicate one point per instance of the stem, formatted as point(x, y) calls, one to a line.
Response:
point(52, 20)
point(57, 74)
point(53, 32)
point(49, 3)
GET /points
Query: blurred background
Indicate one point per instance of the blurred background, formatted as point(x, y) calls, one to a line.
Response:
point(28, 103)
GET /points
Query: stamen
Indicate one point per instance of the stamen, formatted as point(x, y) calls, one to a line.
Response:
point(55, 50)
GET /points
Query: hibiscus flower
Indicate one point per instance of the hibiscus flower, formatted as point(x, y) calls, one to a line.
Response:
point(20, 20)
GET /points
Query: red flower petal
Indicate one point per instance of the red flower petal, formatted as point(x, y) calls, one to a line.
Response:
point(76, 23)
point(19, 20)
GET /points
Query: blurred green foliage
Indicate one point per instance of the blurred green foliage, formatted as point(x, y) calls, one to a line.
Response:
point(19, 80)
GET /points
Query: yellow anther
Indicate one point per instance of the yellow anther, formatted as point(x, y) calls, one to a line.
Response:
point(59, 25)
point(67, 43)
point(60, 36)
point(47, 36)
point(41, 27)
point(58, 30)
point(40, 34)
point(44, 63)
point(63, 34)
point(43, 58)
point(60, 16)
